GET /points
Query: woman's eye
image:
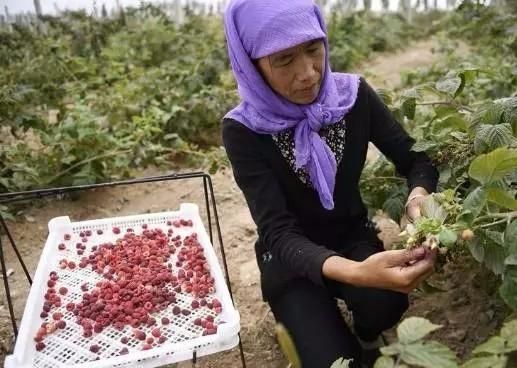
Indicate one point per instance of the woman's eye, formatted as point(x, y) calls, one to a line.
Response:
point(284, 61)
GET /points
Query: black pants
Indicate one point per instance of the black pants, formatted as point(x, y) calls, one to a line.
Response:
point(310, 314)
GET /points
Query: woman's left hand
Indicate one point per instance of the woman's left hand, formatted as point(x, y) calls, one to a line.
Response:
point(414, 203)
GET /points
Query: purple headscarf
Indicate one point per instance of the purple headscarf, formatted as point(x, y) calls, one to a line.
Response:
point(257, 28)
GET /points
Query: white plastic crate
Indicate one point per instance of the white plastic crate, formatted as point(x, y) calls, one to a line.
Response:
point(68, 347)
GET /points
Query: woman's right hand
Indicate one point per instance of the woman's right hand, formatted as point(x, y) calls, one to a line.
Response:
point(398, 270)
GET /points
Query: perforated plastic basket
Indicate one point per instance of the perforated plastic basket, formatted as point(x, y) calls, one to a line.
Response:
point(68, 347)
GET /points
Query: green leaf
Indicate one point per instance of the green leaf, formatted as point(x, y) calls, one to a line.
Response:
point(490, 113)
point(494, 257)
point(449, 85)
point(469, 74)
point(510, 237)
point(475, 201)
point(451, 122)
point(502, 198)
point(429, 355)
point(448, 237)
point(442, 111)
point(511, 260)
point(477, 250)
point(509, 333)
point(385, 96)
point(409, 108)
point(414, 328)
point(494, 345)
point(494, 165)
point(394, 205)
point(287, 345)
point(495, 253)
point(432, 209)
point(490, 137)
point(384, 362)
point(341, 363)
point(393, 349)
point(494, 236)
point(508, 289)
point(509, 108)
point(422, 146)
point(493, 361)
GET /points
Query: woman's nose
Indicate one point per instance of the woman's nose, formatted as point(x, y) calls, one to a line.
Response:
point(305, 69)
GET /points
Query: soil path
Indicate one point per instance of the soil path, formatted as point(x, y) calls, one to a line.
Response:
point(454, 309)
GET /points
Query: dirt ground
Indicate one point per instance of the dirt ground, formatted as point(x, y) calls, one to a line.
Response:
point(462, 302)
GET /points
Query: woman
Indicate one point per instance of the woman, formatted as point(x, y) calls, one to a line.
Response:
point(297, 144)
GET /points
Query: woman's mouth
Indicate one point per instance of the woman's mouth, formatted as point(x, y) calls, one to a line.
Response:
point(309, 91)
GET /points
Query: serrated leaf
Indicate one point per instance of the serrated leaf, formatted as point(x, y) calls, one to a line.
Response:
point(429, 355)
point(449, 85)
point(493, 361)
point(384, 362)
point(509, 107)
point(490, 137)
point(502, 198)
point(414, 328)
point(494, 165)
point(494, 345)
point(490, 113)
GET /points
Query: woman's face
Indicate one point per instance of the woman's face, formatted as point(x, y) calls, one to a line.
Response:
point(296, 73)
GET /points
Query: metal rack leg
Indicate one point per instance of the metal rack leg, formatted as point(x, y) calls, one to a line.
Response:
point(208, 215)
point(208, 180)
point(7, 290)
point(18, 255)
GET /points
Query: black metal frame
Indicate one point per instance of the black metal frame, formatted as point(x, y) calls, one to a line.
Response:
point(9, 198)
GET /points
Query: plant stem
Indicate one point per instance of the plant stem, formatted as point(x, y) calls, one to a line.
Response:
point(85, 162)
point(504, 215)
point(426, 103)
point(484, 226)
point(386, 178)
point(450, 103)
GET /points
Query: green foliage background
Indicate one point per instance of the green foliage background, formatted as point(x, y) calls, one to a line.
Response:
point(131, 91)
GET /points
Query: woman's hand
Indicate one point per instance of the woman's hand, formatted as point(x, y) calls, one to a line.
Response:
point(398, 270)
point(414, 203)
